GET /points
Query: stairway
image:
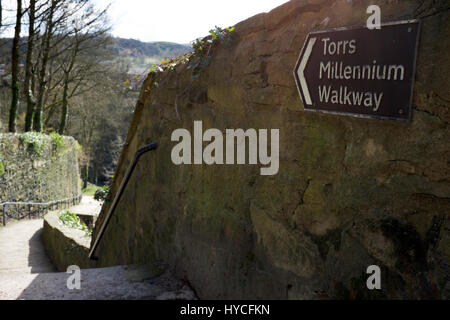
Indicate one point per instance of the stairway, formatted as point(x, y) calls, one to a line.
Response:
point(26, 273)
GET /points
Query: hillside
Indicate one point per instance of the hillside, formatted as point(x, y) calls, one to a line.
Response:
point(113, 104)
point(141, 54)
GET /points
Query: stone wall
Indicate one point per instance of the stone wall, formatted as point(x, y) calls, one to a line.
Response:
point(37, 167)
point(65, 246)
point(350, 192)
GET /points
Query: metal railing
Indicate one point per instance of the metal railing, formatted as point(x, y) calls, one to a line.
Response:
point(119, 193)
point(42, 207)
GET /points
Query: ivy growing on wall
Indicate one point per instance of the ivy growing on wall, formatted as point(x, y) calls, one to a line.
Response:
point(201, 46)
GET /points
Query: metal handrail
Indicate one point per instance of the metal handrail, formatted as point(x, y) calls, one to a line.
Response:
point(119, 193)
point(32, 203)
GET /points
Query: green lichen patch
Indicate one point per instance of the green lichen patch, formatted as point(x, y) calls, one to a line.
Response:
point(2, 168)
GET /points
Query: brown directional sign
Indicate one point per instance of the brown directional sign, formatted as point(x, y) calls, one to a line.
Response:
point(358, 71)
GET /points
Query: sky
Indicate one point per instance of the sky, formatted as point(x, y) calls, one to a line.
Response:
point(179, 20)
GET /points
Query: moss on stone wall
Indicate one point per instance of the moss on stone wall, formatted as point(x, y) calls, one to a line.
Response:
point(38, 167)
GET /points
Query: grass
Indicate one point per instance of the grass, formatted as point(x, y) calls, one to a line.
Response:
point(90, 189)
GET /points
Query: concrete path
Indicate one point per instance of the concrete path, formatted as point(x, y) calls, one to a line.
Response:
point(27, 273)
point(88, 205)
point(22, 250)
point(21, 246)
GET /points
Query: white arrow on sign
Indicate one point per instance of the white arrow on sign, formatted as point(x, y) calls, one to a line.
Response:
point(301, 70)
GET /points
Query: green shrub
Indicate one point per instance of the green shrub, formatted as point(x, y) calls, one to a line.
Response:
point(101, 193)
point(197, 45)
point(2, 168)
point(221, 34)
point(58, 143)
point(34, 141)
point(71, 220)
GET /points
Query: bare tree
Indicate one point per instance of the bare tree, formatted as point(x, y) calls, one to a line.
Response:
point(83, 57)
point(68, 25)
point(15, 69)
point(101, 126)
point(28, 87)
point(45, 47)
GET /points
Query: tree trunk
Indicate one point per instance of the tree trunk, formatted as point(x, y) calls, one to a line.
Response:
point(37, 123)
point(15, 70)
point(31, 103)
point(65, 106)
point(86, 175)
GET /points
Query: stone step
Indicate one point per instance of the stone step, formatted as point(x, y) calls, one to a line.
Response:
point(27, 273)
point(119, 282)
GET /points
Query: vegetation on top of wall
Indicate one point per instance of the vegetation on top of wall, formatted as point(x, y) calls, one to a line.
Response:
point(169, 64)
point(34, 142)
point(217, 34)
point(223, 35)
point(30, 172)
point(201, 46)
point(58, 144)
point(71, 220)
